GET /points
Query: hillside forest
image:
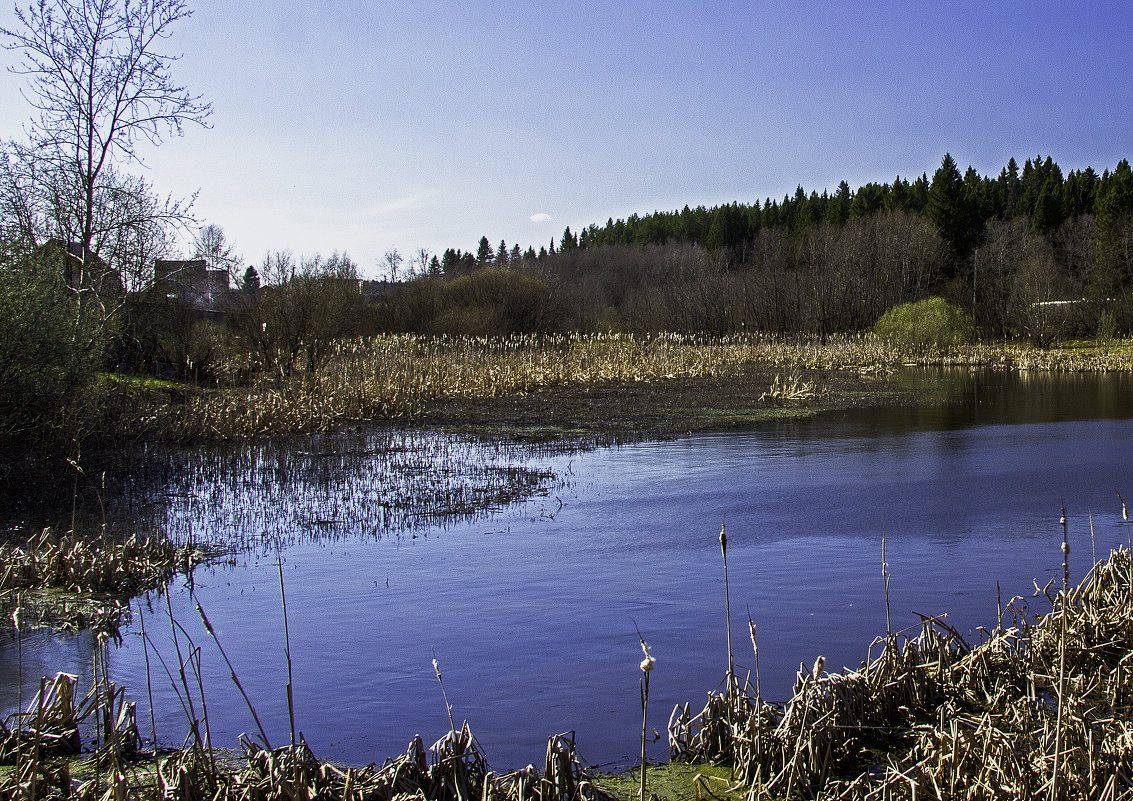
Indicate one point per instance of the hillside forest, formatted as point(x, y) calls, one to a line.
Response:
point(1029, 253)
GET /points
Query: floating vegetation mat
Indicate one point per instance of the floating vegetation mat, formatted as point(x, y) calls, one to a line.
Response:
point(1037, 710)
point(70, 582)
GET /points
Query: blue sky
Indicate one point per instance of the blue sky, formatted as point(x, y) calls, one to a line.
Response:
point(363, 126)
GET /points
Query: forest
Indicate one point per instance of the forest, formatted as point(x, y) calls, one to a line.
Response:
point(1030, 253)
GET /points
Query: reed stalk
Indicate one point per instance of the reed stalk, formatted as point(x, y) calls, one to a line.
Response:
point(16, 621)
point(646, 669)
point(444, 695)
point(287, 650)
point(149, 687)
point(731, 675)
point(1063, 617)
point(885, 582)
point(1065, 552)
point(232, 675)
point(1125, 517)
point(757, 780)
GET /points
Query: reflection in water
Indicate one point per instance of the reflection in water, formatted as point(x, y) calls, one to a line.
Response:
point(988, 397)
point(39, 654)
point(529, 610)
point(266, 495)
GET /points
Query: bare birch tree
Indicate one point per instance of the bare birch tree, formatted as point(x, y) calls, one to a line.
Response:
point(101, 87)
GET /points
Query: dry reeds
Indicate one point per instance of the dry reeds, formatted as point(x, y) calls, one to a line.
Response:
point(790, 389)
point(90, 578)
point(454, 769)
point(1033, 711)
point(393, 377)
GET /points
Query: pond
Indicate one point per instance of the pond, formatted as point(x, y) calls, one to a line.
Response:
point(530, 604)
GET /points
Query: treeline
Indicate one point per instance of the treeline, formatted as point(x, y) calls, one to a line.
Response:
point(1030, 253)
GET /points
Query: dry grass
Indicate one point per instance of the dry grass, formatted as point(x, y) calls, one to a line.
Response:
point(452, 770)
point(394, 377)
point(71, 582)
point(792, 389)
point(1036, 711)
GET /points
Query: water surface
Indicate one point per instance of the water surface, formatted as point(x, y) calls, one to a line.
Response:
point(530, 610)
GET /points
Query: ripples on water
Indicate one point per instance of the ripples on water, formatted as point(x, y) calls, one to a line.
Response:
point(528, 608)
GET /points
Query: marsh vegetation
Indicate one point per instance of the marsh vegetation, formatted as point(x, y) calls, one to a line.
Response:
point(332, 511)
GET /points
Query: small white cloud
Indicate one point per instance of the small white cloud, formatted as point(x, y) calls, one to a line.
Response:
point(541, 217)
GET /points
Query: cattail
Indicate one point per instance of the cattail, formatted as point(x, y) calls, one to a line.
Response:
point(646, 663)
point(646, 668)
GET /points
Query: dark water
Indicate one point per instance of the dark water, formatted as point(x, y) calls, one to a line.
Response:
point(530, 611)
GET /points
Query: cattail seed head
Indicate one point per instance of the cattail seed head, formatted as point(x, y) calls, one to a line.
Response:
point(646, 663)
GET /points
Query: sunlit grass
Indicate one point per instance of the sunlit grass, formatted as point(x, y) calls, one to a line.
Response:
point(394, 377)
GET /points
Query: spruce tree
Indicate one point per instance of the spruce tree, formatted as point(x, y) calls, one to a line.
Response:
point(484, 253)
point(948, 208)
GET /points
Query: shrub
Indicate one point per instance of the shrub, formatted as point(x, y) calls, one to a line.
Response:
point(51, 345)
point(927, 323)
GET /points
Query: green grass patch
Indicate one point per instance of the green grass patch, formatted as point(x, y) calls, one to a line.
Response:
point(142, 382)
point(675, 781)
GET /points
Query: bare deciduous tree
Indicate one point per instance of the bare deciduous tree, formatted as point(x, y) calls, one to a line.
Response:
point(301, 309)
point(101, 87)
point(392, 261)
point(212, 245)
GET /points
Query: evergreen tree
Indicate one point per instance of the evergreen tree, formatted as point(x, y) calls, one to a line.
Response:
point(1048, 213)
point(484, 253)
point(948, 207)
point(251, 280)
point(1079, 193)
point(919, 195)
point(1012, 188)
point(838, 207)
point(867, 200)
point(899, 196)
point(728, 229)
point(1114, 215)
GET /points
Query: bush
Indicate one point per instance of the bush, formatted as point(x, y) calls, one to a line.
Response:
point(51, 346)
point(927, 323)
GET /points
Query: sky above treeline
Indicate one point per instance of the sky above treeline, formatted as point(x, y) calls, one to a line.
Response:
point(362, 126)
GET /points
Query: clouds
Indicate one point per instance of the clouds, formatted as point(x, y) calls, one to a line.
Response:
point(540, 217)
